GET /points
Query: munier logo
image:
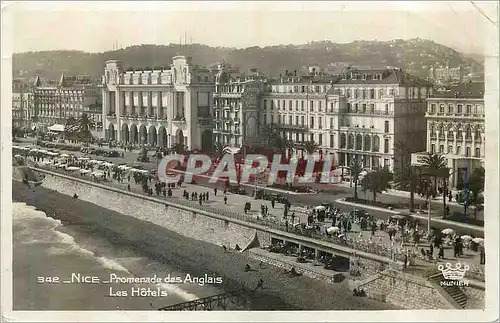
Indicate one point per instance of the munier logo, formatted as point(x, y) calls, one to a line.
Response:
point(452, 275)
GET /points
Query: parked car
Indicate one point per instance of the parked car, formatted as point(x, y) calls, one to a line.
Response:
point(112, 153)
point(358, 214)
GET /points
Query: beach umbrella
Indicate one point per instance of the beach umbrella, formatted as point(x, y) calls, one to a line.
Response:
point(466, 237)
point(448, 231)
point(320, 208)
point(331, 230)
point(478, 240)
point(64, 155)
point(17, 156)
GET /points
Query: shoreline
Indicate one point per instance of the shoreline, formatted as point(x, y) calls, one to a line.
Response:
point(194, 256)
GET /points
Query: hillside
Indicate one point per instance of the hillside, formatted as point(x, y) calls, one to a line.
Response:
point(414, 55)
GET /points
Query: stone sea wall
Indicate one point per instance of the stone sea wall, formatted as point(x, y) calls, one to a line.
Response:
point(404, 290)
point(475, 297)
point(193, 225)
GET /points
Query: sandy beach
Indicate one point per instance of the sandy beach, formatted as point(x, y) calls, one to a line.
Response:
point(195, 257)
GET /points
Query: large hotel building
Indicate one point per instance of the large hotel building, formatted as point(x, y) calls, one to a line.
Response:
point(366, 114)
point(22, 104)
point(360, 113)
point(160, 106)
point(55, 103)
point(236, 106)
point(455, 128)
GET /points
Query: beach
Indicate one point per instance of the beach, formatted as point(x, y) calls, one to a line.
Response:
point(88, 223)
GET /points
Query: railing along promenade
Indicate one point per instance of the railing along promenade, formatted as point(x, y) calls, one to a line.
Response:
point(348, 242)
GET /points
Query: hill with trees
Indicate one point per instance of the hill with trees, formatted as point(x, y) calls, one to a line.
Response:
point(414, 55)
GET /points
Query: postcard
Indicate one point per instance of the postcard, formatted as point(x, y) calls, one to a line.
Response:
point(249, 161)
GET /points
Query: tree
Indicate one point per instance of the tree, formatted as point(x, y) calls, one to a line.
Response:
point(219, 149)
point(179, 148)
point(79, 129)
point(355, 168)
point(403, 151)
point(84, 126)
point(377, 181)
point(436, 166)
point(476, 188)
point(70, 128)
point(310, 147)
point(271, 137)
point(409, 179)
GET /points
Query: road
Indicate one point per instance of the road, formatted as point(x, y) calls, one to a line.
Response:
point(330, 194)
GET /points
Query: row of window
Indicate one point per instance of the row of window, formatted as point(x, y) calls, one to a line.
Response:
point(458, 150)
point(459, 108)
point(351, 107)
point(468, 133)
point(367, 161)
point(356, 93)
point(226, 139)
point(366, 143)
point(282, 120)
point(228, 88)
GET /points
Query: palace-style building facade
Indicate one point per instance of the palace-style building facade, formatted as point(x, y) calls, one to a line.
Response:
point(160, 106)
point(367, 114)
point(455, 128)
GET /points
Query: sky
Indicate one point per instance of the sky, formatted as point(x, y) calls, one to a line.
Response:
point(100, 26)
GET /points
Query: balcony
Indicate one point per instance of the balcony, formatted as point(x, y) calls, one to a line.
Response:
point(357, 129)
point(291, 127)
point(227, 95)
point(179, 120)
point(359, 112)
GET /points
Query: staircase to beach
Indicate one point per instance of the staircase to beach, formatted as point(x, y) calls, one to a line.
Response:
point(453, 294)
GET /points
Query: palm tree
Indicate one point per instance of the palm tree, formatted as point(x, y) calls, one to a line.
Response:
point(355, 168)
point(403, 151)
point(435, 166)
point(269, 134)
point(377, 181)
point(409, 179)
point(271, 137)
point(70, 128)
point(476, 187)
point(310, 147)
point(219, 149)
point(84, 126)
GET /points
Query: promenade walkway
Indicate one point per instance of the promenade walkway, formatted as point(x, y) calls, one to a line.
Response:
point(341, 189)
point(332, 195)
point(234, 208)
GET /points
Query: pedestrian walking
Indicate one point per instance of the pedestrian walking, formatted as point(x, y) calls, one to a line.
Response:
point(482, 255)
